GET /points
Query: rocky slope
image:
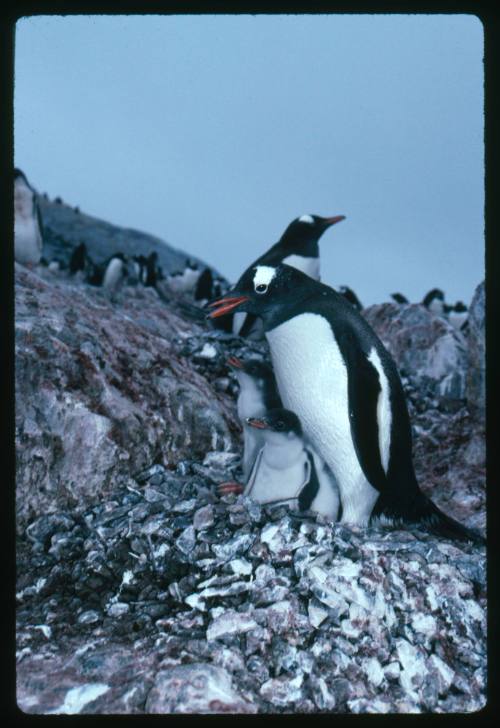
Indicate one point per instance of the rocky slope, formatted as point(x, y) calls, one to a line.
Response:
point(140, 591)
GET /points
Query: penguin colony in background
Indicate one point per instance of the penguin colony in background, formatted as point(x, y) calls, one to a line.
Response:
point(335, 375)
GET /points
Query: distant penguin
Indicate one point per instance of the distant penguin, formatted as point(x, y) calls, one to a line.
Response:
point(434, 301)
point(333, 371)
point(258, 394)
point(399, 298)
point(151, 269)
point(298, 247)
point(28, 228)
point(350, 296)
point(457, 316)
point(58, 201)
point(79, 259)
point(286, 470)
point(115, 272)
point(184, 281)
point(204, 290)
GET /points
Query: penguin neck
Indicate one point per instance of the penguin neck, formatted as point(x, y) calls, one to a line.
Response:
point(281, 450)
point(308, 248)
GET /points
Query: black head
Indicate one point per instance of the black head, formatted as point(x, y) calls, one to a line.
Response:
point(278, 420)
point(308, 228)
point(19, 175)
point(460, 307)
point(399, 298)
point(433, 295)
point(267, 291)
point(255, 368)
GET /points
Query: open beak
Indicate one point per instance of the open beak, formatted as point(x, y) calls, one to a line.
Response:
point(233, 361)
point(259, 424)
point(332, 220)
point(225, 305)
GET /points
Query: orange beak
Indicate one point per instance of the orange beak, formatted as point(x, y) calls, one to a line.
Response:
point(233, 361)
point(259, 424)
point(225, 305)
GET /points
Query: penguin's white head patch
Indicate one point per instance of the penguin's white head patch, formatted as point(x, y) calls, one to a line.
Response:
point(306, 218)
point(264, 274)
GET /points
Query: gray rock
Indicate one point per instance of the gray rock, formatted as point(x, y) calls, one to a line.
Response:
point(98, 397)
point(476, 352)
point(195, 688)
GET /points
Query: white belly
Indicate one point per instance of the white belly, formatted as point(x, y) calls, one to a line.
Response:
point(113, 274)
point(27, 240)
point(312, 381)
point(274, 479)
point(309, 266)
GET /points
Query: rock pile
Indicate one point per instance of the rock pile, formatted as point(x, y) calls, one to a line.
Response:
point(166, 599)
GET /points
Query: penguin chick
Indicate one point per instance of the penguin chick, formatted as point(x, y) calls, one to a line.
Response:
point(298, 247)
point(28, 229)
point(286, 470)
point(258, 394)
point(350, 296)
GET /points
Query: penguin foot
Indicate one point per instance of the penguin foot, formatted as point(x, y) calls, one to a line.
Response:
point(229, 487)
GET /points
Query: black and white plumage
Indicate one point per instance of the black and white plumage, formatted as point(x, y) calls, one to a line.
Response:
point(286, 470)
point(204, 289)
point(434, 301)
point(399, 298)
point(333, 371)
point(184, 281)
point(350, 296)
point(28, 227)
point(298, 247)
point(457, 315)
point(258, 394)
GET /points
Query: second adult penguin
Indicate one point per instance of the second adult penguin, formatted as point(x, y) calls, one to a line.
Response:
point(298, 247)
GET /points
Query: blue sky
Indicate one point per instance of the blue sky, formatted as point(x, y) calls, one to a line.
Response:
point(214, 132)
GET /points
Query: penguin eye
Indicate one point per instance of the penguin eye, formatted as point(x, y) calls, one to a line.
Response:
point(261, 288)
point(280, 425)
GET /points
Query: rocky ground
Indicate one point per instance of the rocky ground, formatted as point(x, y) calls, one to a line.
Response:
point(140, 591)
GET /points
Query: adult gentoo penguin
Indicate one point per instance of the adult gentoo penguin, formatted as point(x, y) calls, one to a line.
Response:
point(28, 229)
point(298, 247)
point(286, 470)
point(334, 372)
point(258, 394)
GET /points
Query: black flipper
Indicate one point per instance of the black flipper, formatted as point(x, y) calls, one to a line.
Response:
point(363, 388)
point(310, 489)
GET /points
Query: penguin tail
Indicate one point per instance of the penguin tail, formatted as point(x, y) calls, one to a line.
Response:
point(433, 518)
point(425, 513)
